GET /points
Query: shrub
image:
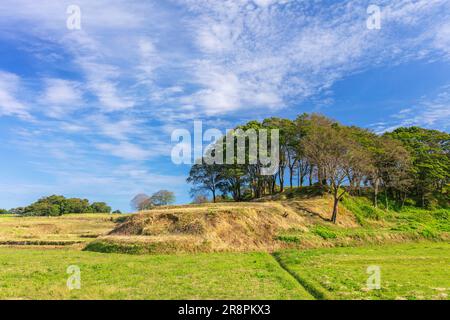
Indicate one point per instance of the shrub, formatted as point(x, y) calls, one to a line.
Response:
point(324, 232)
point(288, 239)
point(362, 209)
point(111, 247)
point(429, 233)
point(441, 214)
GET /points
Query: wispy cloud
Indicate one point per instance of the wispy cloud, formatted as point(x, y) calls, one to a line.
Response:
point(126, 150)
point(430, 112)
point(114, 90)
point(266, 54)
point(101, 80)
point(61, 97)
point(236, 55)
point(10, 105)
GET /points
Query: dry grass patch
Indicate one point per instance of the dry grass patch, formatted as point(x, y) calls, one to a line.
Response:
point(67, 229)
point(320, 208)
point(212, 227)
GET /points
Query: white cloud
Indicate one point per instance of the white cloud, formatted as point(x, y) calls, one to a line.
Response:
point(442, 39)
point(248, 54)
point(10, 105)
point(101, 80)
point(270, 57)
point(149, 59)
point(61, 97)
point(429, 112)
point(125, 150)
point(119, 129)
point(221, 90)
point(218, 37)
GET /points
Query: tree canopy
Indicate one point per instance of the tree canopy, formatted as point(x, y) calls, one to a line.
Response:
point(57, 205)
point(408, 163)
point(160, 198)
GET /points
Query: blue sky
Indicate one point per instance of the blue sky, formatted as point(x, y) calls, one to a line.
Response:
point(89, 113)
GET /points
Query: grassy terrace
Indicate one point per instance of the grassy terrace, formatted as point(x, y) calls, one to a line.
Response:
point(72, 228)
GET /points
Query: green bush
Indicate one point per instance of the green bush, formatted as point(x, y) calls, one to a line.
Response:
point(429, 233)
point(288, 239)
point(111, 247)
point(324, 232)
point(441, 214)
point(363, 209)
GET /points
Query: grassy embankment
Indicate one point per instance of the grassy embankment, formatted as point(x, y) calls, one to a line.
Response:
point(374, 226)
point(282, 223)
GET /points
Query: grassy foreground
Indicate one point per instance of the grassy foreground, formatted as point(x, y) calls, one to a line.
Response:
point(313, 259)
point(41, 274)
point(408, 271)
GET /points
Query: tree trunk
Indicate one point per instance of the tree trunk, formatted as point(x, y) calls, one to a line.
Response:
point(272, 186)
point(291, 174)
point(403, 200)
point(239, 192)
point(375, 195)
point(214, 195)
point(335, 209)
point(386, 198)
point(310, 175)
point(281, 178)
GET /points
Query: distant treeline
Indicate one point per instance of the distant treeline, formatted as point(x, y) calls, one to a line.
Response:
point(58, 205)
point(408, 165)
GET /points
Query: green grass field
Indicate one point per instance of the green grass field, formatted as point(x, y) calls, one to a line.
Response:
point(408, 271)
point(41, 274)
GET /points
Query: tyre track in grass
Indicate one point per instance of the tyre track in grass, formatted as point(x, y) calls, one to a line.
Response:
point(309, 285)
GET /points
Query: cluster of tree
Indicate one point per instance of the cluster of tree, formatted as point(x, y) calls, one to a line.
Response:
point(408, 163)
point(160, 198)
point(58, 205)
